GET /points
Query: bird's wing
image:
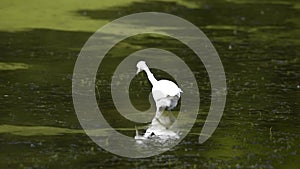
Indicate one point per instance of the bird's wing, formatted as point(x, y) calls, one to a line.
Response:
point(168, 88)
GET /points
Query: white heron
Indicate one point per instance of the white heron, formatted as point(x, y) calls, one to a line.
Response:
point(166, 95)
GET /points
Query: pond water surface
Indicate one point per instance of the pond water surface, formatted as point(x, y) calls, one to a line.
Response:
point(258, 43)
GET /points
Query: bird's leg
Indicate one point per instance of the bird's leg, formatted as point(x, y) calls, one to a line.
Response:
point(160, 107)
point(159, 111)
point(158, 120)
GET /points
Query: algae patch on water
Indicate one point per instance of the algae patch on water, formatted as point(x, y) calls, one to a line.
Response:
point(36, 130)
point(13, 66)
point(51, 131)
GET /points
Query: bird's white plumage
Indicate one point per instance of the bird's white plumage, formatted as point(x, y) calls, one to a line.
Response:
point(167, 87)
point(166, 95)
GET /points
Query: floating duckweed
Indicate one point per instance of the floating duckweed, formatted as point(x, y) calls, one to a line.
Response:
point(13, 66)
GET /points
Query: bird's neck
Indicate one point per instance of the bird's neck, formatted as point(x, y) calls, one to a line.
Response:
point(150, 76)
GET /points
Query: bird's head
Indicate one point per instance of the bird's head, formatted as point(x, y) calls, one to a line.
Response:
point(141, 65)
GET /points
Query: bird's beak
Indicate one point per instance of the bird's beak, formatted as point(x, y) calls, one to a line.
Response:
point(138, 71)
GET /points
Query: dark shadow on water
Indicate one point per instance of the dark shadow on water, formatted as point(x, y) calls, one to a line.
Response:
point(215, 12)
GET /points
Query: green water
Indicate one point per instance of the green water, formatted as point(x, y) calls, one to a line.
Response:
point(258, 43)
